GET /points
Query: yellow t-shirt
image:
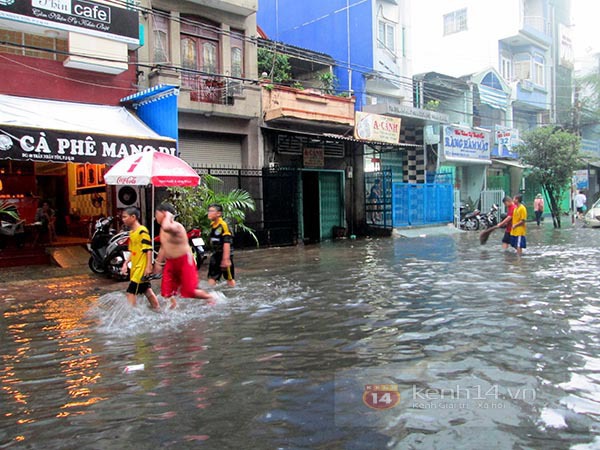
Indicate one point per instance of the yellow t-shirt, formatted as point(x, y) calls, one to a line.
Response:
point(139, 244)
point(520, 213)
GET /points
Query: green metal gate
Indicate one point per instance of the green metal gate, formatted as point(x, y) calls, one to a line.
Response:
point(332, 203)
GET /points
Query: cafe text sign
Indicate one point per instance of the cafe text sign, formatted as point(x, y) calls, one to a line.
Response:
point(60, 146)
point(80, 16)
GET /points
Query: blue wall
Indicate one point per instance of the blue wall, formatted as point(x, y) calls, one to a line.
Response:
point(322, 25)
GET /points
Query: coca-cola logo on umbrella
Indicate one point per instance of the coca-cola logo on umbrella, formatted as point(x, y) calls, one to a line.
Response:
point(127, 180)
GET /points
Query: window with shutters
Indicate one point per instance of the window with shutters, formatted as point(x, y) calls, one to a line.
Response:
point(160, 34)
point(522, 67)
point(386, 36)
point(200, 56)
point(455, 22)
point(237, 53)
point(539, 77)
point(200, 45)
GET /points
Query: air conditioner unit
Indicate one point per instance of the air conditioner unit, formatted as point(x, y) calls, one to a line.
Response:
point(128, 196)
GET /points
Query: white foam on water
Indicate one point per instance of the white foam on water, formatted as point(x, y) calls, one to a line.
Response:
point(116, 317)
point(552, 418)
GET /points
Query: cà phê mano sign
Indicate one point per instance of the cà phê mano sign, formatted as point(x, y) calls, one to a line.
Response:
point(59, 146)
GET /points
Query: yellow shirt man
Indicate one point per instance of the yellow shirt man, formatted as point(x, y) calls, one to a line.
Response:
point(519, 215)
point(139, 244)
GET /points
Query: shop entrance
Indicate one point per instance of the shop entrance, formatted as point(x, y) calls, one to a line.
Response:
point(322, 204)
point(54, 189)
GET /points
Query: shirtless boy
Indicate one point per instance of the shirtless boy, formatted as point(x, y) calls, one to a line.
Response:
point(179, 272)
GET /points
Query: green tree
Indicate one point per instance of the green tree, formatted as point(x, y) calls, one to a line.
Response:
point(192, 204)
point(553, 155)
point(275, 65)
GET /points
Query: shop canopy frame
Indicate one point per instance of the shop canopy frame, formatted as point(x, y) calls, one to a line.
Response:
point(323, 138)
point(42, 130)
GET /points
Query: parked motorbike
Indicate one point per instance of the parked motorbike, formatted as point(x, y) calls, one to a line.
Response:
point(490, 218)
point(469, 220)
point(108, 249)
point(195, 242)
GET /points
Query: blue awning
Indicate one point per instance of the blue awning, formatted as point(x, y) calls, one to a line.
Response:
point(157, 107)
point(493, 97)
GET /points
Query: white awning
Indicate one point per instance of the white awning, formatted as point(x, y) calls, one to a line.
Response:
point(464, 161)
point(70, 116)
point(55, 131)
point(510, 162)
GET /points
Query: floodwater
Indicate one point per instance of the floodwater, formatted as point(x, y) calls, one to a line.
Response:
point(466, 346)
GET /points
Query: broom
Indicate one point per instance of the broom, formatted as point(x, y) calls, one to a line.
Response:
point(485, 235)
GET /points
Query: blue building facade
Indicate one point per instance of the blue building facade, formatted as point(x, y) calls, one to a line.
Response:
point(340, 28)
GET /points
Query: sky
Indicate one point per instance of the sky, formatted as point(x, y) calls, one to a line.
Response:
point(585, 29)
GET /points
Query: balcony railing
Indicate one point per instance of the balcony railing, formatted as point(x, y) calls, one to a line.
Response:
point(217, 90)
point(537, 23)
point(281, 102)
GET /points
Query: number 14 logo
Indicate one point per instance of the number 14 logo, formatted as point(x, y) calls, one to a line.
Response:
point(381, 396)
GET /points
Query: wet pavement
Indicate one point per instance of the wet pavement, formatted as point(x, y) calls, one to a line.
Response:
point(421, 343)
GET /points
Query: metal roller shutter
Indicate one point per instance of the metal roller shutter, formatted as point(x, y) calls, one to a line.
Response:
point(211, 151)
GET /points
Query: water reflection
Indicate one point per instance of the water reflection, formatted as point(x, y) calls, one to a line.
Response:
point(505, 348)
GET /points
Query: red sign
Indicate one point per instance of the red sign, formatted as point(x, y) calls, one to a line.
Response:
point(381, 396)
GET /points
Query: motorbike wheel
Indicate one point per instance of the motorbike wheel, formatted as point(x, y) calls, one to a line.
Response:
point(95, 266)
point(472, 224)
point(483, 223)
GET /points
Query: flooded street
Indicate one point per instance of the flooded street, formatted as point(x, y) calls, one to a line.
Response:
point(478, 348)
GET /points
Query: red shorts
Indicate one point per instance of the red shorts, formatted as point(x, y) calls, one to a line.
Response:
point(180, 273)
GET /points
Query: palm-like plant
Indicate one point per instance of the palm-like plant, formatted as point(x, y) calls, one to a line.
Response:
point(8, 209)
point(192, 204)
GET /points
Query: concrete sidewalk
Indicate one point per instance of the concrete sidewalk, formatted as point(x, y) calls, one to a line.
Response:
point(421, 232)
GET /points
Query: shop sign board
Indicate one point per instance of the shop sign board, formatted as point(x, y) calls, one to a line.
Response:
point(376, 127)
point(580, 179)
point(505, 139)
point(80, 16)
point(314, 157)
point(466, 144)
point(43, 145)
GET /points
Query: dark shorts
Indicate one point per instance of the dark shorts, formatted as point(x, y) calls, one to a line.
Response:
point(518, 241)
point(506, 239)
point(138, 288)
point(215, 271)
point(580, 210)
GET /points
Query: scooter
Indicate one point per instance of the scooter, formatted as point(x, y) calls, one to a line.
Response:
point(490, 218)
point(108, 249)
point(469, 220)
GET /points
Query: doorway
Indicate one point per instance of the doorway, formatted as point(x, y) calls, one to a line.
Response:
point(311, 216)
point(322, 204)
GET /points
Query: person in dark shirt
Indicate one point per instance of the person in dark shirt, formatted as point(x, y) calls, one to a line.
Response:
point(220, 240)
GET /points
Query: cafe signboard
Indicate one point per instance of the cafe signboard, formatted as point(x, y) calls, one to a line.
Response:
point(80, 16)
point(46, 145)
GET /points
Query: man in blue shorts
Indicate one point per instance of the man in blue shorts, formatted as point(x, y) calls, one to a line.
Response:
point(519, 229)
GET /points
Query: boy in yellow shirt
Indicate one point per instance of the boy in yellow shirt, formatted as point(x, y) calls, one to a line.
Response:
point(140, 249)
point(519, 228)
point(221, 243)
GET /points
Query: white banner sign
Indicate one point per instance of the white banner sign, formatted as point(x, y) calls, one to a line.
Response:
point(466, 144)
point(375, 127)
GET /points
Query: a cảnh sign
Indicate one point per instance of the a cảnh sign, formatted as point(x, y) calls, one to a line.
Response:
point(44, 145)
point(466, 145)
point(378, 128)
point(79, 16)
point(313, 157)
